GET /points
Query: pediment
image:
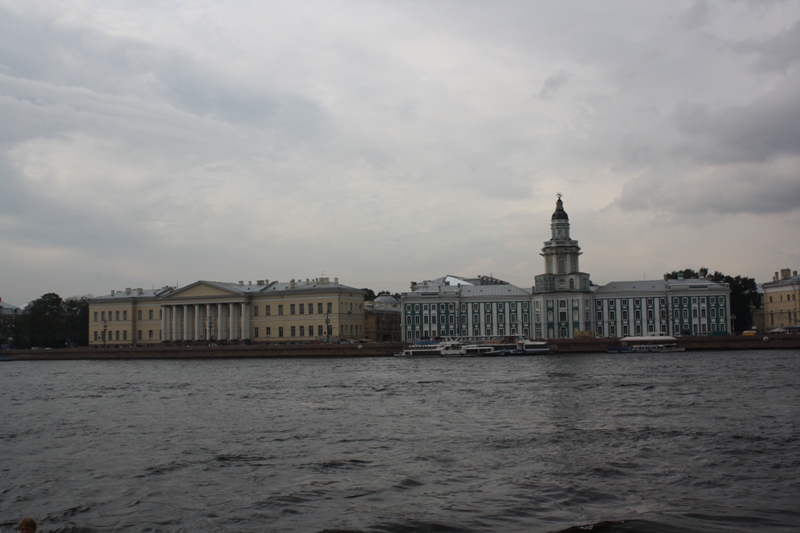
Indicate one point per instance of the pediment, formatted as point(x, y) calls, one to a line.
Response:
point(201, 289)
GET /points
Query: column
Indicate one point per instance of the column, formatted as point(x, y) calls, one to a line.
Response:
point(232, 320)
point(198, 324)
point(245, 321)
point(164, 334)
point(220, 322)
point(174, 333)
point(207, 325)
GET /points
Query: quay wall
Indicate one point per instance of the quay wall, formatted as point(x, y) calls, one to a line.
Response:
point(373, 349)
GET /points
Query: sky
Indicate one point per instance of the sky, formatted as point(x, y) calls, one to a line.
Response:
point(154, 143)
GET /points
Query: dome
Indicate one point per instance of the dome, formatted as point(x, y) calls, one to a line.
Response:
point(559, 213)
point(386, 299)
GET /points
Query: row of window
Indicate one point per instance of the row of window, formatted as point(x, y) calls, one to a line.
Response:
point(296, 309)
point(122, 335)
point(651, 329)
point(637, 302)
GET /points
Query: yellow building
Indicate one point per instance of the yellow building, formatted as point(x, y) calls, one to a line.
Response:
point(231, 313)
point(781, 306)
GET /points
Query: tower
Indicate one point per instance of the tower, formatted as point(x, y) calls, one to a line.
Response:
point(562, 294)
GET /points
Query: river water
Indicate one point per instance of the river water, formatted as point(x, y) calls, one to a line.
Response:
point(688, 442)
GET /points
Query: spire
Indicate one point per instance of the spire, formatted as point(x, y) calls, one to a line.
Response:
point(559, 213)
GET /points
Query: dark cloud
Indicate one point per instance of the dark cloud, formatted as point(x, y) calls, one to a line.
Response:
point(766, 127)
point(778, 53)
point(552, 85)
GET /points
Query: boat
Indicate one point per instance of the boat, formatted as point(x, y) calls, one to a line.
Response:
point(435, 349)
point(524, 347)
point(652, 344)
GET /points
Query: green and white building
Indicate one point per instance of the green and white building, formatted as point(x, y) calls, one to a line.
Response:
point(563, 302)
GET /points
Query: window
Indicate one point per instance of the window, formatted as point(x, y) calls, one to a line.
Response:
point(255, 312)
point(280, 331)
point(562, 304)
point(280, 312)
point(612, 315)
point(116, 333)
point(139, 316)
point(117, 317)
point(624, 303)
point(662, 301)
point(255, 332)
point(703, 312)
point(267, 310)
point(694, 313)
point(649, 302)
point(302, 310)
point(501, 318)
point(599, 316)
point(424, 307)
point(319, 308)
point(330, 307)
point(599, 304)
point(611, 303)
point(95, 316)
point(624, 314)
point(650, 314)
point(149, 333)
point(475, 319)
point(302, 330)
point(319, 330)
point(637, 302)
point(150, 314)
point(637, 314)
point(703, 300)
point(475, 307)
point(139, 334)
point(562, 316)
point(488, 319)
point(291, 311)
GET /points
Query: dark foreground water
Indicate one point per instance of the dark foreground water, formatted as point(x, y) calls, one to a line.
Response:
point(698, 442)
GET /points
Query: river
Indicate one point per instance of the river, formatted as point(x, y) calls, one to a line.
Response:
point(685, 442)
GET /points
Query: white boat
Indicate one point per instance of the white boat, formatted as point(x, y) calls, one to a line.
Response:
point(652, 344)
point(440, 349)
point(530, 348)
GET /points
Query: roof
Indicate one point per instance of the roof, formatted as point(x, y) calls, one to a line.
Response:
point(8, 309)
point(792, 280)
point(656, 285)
point(466, 287)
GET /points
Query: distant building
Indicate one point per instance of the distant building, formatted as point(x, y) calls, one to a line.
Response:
point(233, 313)
point(781, 307)
point(8, 313)
point(563, 303)
point(382, 319)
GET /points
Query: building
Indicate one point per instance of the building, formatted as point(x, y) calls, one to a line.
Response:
point(8, 314)
point(382, 319)
point(563, 303)
point(662, 307)
point(781, 307)
point(232, 313)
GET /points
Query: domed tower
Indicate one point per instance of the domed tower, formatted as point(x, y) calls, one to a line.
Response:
point(558, 290)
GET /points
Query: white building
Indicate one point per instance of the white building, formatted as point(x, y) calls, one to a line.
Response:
point(563, 302)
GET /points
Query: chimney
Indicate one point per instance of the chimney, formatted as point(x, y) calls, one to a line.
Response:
point(241, 283)
point(113, 292)
point(249, 282)
point(336, 280)
point(127, 290)
point(291, 284)
point(785, 273)
point(775, 277)
point(139, 291)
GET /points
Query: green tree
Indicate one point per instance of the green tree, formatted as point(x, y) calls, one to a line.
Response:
point(45, 322)
point(744, 293)
point(76, 319)
point(370, 296)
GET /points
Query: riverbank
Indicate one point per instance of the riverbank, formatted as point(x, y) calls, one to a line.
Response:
point(370, 349)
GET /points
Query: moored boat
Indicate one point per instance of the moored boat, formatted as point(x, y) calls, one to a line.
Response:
point(653, 344)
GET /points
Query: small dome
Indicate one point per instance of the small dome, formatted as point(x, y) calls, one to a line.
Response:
point(386, 299)
point(559, 213)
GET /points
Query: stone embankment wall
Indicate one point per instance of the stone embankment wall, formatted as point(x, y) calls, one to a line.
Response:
point(370, 349)
point(374, 349)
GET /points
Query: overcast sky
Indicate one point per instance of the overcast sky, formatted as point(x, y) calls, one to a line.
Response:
point(151, 143)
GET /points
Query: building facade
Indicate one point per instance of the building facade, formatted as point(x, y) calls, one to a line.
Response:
point(382, 319)
point(235, 313)
point(563, 303)
point(781, 305)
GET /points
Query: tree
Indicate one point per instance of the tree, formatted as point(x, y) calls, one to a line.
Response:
point(744, 293)
point(370, 296)
point(52, 322)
